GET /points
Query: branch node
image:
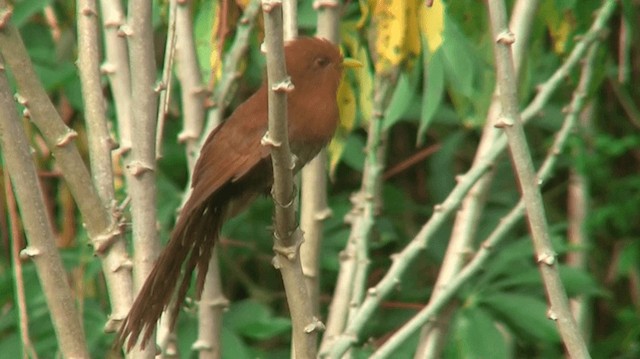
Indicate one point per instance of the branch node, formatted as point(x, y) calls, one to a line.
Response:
point(29, 252)
point(372, 292)
point(108, 68)
point(104, 240)
point(552, 315)
point(269, 5)
point(125, 30)
point(284, 86)
point(185, 136)
point(5, 16)
point(506, 37)
point(290, 252)
point(88, 11)
point(323, 214)
point(268, 141)
point(319, 4)
point(137, 168)
point(201, 345)
point(503, 122)
point(438, 208)
point(315, 326)
point(159, 87)
point(548, 258)
point(21, 99)
point(66, 138)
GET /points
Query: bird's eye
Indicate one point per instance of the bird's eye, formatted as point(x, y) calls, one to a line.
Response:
point(322, 61)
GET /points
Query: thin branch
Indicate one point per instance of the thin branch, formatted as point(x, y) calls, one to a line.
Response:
point(99, 222)
point(210, 309)
point(442, 211)
point(100, 147)
point(28, 351)
point(37, 225)
point(511, 123)
point(166, 84)
point(287, 235)
point(467, 218)
point(116, 66)
point(313, 198)
point(438, 301)
point(140, 161)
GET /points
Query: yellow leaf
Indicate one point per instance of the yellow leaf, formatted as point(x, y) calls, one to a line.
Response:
point(347, 108)
point(363, 76)
point(412, 42)
point(432, 24)
point(215, 59)
point(389, 23)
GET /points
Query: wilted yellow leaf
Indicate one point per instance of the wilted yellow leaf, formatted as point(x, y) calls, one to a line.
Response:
point(432, 24)
point(390, 23)
point(397, 34)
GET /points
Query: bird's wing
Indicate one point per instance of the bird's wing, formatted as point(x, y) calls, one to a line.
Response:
point(232, 149)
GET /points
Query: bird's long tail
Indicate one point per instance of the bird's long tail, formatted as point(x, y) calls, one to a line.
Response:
point(190, 246)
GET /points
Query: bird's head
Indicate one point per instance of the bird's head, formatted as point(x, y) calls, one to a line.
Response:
point(315, 62)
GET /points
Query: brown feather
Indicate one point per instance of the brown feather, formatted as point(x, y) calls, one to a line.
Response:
point(233, 169)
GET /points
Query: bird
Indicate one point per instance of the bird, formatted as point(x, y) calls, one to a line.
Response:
point(232, 170)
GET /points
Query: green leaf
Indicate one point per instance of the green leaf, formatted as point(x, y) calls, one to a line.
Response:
point(477, 336)
point(24, 9)
point(233, 346)
point(577, 282)
point(524, 314)
point(255, 320)
point(403, 96)
point(433, 86)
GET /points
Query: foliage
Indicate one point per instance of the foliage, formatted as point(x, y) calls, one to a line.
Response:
point(444, 89)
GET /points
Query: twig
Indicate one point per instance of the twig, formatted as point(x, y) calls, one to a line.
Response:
point(37, 224)
point(165, 85)
point(140, 161)
point(100, 146)
point(442, 211)
point(438, 301)
point(313, 199)
point(28, 351)
point(116, 66)
point(511, 123)
point(210, 310)
point(287, 235)
point(467, 218)
point(60, 140)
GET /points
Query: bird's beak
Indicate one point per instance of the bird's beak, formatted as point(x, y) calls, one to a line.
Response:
point(351, 63)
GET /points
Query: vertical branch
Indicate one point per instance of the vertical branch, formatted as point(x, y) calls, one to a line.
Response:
point(313, 198)
point(577, 214)
point(468, 216)
point(165, 84)
point(28, 351)
point(100, 147)
point(99, 222)
point(439, 300)
point(444, 210)
point(140, 162)
point(511, 123)
point(37, 226)
point(287, 236)
point(190, 78)
point(116, 66)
